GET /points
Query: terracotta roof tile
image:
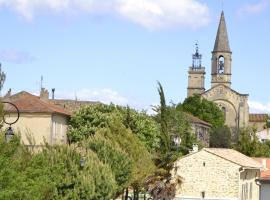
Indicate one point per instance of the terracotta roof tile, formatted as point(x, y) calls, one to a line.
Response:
point(198, 120)
point(258, 117)
point(265, 173)
point(28, 103)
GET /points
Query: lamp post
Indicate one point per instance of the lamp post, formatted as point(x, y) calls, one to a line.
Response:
point(9, 131)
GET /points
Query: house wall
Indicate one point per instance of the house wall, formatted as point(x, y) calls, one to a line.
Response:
point(205, 172)
point(40, 127)
point(249, 190)
point(59, 129)
point(265, 191)
point(202, 133)
point(36, 126)
point(259, 126)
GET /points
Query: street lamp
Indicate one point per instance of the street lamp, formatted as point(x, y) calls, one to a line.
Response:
point(9, 131)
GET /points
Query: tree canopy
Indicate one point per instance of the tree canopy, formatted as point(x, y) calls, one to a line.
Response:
point(204, 109)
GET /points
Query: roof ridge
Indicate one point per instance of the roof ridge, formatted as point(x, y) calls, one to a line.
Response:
point(232, 160)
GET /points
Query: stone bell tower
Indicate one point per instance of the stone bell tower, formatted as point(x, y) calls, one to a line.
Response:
point(221, 56)
point(196, 75)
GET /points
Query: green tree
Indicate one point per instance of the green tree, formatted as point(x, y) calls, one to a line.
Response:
point(54, 173)
point(2, 78)
point(142, 163)
point(249, 144)
point(267, 123)
point(86, 121)
point(165, 137)
point(110, 153)
point(204, 109)
point(220, 137)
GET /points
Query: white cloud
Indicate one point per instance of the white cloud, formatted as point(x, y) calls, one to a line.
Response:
point(14, 56)
point(253, 8)
point(103, 95)
point(152, 14)
point(257, 107)
point(106, 96)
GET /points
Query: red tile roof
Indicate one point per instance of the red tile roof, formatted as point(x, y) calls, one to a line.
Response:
point(28, 103)
point(194, 119)
point(265, 173)
point(258, 117)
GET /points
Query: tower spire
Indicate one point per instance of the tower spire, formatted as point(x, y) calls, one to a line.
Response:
point(222, 41)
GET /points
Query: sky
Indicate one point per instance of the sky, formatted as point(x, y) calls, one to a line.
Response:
point(116, 50)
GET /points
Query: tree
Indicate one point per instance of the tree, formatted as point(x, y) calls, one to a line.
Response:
point(54, 173)
point(267, 123)
point(204, 109)
point(249, 144)
point(173, 123)
point(86, 121)
point(110, 153)
point(2, 78)
point(165, 137)
point(220, 137)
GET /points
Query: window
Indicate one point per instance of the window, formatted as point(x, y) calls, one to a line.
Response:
point(221, 62)
point(250, 191)
point(223, 109)
point(203, 194)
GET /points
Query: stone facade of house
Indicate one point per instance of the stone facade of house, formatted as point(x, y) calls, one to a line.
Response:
point(210, 175)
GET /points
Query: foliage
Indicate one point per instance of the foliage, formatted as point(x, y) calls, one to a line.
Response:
point(2, 78)
point(114, 156)
point(220, 137)
point(54, 173)
point(142, 163)
point(88, 120)
point(267, 123)
point(204, 109)
point(174, 123)
point(165, 137)
point(249, 144)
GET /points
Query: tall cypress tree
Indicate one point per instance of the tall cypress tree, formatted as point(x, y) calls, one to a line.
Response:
point(165, 138)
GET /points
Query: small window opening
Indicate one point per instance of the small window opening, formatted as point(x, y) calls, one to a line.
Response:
point(221, 62)
point(203, 194)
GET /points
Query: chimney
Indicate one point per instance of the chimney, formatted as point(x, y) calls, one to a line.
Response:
point(8, 94)
point(44, 94)
point(53, 91)
point(195, 148)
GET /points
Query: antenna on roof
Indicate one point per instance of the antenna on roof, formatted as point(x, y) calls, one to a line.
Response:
point(41, 82)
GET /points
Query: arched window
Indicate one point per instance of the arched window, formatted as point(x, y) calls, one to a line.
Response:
point(223, 109)
point(221, 65)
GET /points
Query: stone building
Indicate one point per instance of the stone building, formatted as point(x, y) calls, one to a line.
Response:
point(232, 103)
point(217, 174)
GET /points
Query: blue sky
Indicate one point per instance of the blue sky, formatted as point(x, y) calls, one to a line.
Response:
point(116, 50)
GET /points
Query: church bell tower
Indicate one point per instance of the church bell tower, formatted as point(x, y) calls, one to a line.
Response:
point(221, 56)
point(196, 75)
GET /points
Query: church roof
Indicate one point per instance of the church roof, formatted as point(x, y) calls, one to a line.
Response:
point(222, 41)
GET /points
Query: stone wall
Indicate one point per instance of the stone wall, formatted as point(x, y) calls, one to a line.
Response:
point(205, 172)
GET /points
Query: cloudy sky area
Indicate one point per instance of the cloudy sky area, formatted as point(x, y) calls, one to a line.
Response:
point(116, 50)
